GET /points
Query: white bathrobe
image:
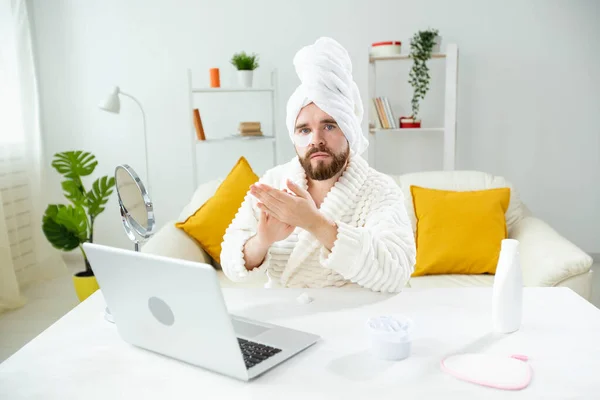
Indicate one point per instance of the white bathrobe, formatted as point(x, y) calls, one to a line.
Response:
point(374, 248)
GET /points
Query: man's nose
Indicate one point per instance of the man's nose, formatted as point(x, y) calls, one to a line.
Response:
point(318, 136)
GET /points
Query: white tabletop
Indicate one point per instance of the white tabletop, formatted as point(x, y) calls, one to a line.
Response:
point(81, 356)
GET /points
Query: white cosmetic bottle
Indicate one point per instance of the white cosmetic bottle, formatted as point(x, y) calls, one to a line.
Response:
point(507, 297)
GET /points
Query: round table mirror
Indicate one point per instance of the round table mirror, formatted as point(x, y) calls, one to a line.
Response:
point(137, 213)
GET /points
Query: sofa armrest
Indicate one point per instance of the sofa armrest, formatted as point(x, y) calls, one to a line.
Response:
point(170, 241)
point(547, 258)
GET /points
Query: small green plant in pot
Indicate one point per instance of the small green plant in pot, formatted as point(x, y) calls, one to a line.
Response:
point(68, 226)
point(245, 64)
point(421, 46)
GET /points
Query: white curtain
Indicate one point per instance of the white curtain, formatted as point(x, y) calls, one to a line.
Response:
point(25, 255)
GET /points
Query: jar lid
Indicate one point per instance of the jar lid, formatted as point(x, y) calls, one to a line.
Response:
point(397, 328)
point(390, 43)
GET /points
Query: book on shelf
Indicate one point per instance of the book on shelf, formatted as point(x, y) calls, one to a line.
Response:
point(390, 115)
point(249, 126)
point(250, 129)
point(381, 114)
point(375, 120)
point(198, 125)
point(384, 113)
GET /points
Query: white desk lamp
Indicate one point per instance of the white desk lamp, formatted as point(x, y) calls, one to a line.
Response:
point(112, 104)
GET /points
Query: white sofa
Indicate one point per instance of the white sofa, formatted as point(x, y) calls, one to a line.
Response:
point(547, 259)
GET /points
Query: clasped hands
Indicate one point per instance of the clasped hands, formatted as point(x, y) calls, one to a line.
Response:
point(282, 212)
point(295, 208)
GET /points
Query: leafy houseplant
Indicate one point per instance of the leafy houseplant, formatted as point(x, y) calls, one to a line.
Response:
point(421, 46)
point(69, 226)
point(245, 64)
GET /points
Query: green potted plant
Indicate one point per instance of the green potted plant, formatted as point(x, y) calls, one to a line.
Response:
point(245, 64)
point(421, 47)
point(68, 226)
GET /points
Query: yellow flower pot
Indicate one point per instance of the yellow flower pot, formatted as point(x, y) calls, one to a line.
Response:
point(84, 286)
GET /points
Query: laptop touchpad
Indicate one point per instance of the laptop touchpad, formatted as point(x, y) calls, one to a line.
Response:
point(247, 329)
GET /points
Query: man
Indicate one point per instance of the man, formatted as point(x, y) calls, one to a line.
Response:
point(324, 219)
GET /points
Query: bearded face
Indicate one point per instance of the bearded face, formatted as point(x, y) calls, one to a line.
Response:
point(321, 145)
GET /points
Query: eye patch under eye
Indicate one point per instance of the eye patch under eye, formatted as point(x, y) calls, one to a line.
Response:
point(303, 140)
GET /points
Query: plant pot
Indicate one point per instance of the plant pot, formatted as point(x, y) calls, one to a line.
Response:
point(438, 44)
point(245, 78)
point(85, 286)
point(407, 122)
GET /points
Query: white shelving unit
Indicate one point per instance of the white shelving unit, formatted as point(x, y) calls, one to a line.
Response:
point(449, 129)
point(226, 139)
point(401, 57)
point(229, 90)
point(406, 130)
point(201, 145)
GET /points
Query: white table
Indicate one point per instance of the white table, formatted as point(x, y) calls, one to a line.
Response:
point(81, 356)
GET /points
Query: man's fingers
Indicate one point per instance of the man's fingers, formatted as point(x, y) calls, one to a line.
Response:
point(278, 202)
point(274, 199)
point(263, 197)
point(263, 212)
point(297, 190)
point(262, 218)
point(276, 195)
point(269, 211)
point(266, 193)
point(282, 195)
point(271, 204)
point(261, 186)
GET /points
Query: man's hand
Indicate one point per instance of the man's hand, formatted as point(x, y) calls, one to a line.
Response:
point(271, 230)
point(297, 209)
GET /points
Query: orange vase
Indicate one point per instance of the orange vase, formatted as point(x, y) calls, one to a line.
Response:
point(215, 79)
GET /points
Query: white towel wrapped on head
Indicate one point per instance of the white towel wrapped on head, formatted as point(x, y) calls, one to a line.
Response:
point(325, 70)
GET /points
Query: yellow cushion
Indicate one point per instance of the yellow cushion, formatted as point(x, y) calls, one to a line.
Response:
point(459, 232)
point(209, 223)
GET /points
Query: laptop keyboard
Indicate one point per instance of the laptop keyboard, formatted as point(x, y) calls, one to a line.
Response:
point(255, 353)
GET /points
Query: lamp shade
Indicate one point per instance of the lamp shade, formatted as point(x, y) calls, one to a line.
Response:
point(111, 102)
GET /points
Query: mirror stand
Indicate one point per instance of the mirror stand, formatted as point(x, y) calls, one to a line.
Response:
point(129, 231)
point(137, 211)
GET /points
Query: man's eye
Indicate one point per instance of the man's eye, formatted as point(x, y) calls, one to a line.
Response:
point(330, 127)
point(305, 131)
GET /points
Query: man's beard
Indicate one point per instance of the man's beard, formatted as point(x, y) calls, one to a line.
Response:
point(323, 171)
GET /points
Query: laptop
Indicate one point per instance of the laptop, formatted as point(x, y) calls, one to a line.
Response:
point(176, 308)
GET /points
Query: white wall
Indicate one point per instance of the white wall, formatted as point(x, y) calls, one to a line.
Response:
point(529, 87)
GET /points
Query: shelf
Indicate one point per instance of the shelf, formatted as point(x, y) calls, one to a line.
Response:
point(406, 130)
point(231, 89)
point(236, 138)
point(401, 57)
